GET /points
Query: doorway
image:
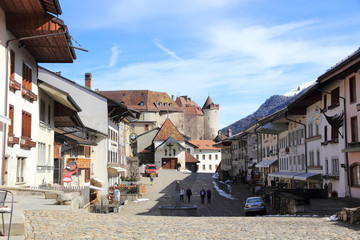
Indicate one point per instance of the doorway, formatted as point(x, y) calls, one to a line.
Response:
point(168, 163)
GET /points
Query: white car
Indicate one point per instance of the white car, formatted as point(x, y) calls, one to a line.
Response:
point(254, 205)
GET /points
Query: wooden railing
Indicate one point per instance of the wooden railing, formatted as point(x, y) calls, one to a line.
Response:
point(26, 142)
point(29, 94)
point(12, 139)
point(14, 84)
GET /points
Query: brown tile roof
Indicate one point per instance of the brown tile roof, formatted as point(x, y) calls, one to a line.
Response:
point(204, 144)
point(152, 101)
point(167, 130)
point(190, 159)
point(190, 107)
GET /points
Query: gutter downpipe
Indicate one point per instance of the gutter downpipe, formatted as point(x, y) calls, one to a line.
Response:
point(304, 125)
point(2, 180)
point(347, 169)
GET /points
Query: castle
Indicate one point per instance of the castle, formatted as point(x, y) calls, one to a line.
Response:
point(156, 107)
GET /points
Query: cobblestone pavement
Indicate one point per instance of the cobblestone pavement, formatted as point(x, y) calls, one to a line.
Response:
point(141, 220)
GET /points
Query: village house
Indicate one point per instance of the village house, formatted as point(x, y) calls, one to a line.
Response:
point(207, 154)
point(30, 34)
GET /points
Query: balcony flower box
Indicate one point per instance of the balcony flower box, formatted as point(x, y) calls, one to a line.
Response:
point(12, 139)
point(26, 142)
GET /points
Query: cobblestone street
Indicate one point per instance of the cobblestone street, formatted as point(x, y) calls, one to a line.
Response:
point(222, 219)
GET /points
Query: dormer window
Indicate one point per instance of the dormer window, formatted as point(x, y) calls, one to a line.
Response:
point(165, 104)
point(159, 104)
point(170, 105)
point(122, 103)
point(141, 103)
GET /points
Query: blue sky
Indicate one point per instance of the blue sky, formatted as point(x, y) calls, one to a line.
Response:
point(240, 52)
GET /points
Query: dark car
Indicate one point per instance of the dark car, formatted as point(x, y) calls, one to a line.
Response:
point(254, 205)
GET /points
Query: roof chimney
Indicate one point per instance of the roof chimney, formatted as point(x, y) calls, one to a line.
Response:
point(88, 80)
point(229, 132)
point(172, 97)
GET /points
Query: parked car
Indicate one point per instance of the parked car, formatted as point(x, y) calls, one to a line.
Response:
point(254, 205)
point(151, 169)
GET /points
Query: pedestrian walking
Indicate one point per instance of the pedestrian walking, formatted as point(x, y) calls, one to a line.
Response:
point(182, 192)
point(188, 193)
point(208, 195)
point(202, 195)
point(151, 179)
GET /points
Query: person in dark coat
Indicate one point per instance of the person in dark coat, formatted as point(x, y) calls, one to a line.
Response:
point(202, 195)
point(188, 193)
point(208, 195)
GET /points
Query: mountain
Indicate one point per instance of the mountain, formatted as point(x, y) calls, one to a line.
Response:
point(271, 105)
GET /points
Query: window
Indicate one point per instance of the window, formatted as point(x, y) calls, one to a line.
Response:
point(303, 162)
point(352, 89)
point(216, 166)
point(325, 134)
point(174, 152)
point(165, 152)
point(203, 166)
point(170, 105)
point(203, 156)
point(216, 157)
point(141, 103)
point(311, 157)
point(197, 156)
point(49, 114)
point(11, 116)
point(325, 102)
point(209, 156)
point(210, 167)
point(354, 129)
point(26, 124)
point(42, 110)
point(49, 155)
point(317, 158)
point(27, 77)
point(12, 64)
point(42, 153)
point(159, 104)
point(146, 127)
point(165, 104)
point(334, 134)
point(20, 170)
point(355, 175)
point(335, 97)
point(335, 166)
point(326, 166)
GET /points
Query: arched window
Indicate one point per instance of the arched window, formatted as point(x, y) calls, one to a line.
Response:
point(165, 152)
point(141, 103)
point(170, 105)
point(174, 151)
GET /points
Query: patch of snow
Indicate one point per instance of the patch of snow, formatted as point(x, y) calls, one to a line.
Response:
point(141, 200)
point(299, 89)
point(223, 193)
point(216, 176)
point(331, 218)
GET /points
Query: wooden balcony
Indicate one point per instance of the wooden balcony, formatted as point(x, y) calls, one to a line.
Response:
point(14, 85)
point(12, 139)
point(26, 142)
point(29, 94)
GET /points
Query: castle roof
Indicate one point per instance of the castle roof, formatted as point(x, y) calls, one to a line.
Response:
point(167, 130)
point(208, 102)
point(144, 100)
point(190, 107)
point(204, 144)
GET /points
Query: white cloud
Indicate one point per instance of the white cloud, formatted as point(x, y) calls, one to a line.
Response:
point(171, 53)
point(114, 55)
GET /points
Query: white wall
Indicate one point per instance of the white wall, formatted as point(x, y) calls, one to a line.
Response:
point(207, 162)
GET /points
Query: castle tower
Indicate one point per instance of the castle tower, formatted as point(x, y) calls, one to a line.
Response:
point(211, 112)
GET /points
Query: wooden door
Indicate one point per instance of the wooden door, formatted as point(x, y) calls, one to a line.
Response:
point(169, 163)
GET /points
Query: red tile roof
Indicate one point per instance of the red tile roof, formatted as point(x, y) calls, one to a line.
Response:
point(190, 159)
point(167, 130)
point(190, 107)
point(144, 100)
point(204, 144)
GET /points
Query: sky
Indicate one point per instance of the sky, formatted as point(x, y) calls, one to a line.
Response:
point(238, 52)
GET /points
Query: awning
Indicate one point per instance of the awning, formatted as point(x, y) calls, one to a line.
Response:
point(305, 176)
point(119, 169)
point(284, 174)
point(60, 96)
point(265, 164)
point(5, 120)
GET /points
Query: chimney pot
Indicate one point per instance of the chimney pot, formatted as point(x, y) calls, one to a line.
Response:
point(88, 80)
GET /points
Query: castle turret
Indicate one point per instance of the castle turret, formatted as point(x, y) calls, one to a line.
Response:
point(211, 112)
